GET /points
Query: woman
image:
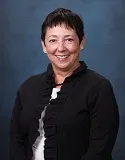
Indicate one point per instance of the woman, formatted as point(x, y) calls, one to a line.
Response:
point(68, 112)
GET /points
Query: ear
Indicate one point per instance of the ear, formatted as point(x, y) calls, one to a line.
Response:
point(82, 43)
point(43, 46)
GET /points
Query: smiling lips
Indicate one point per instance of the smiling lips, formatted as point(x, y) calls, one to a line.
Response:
point(62, 57)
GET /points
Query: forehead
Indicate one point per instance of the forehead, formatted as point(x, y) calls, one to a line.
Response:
point(60, 30)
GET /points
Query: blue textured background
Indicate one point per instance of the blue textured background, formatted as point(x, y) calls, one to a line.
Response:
point(21, 54)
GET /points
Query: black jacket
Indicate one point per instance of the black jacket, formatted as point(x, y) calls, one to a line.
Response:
point(81, 124)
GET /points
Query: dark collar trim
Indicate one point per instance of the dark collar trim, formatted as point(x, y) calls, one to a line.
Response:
point(80, 69)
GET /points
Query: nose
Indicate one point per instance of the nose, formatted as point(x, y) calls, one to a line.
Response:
point(61, 46)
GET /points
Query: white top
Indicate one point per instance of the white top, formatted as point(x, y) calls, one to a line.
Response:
point(38, 146)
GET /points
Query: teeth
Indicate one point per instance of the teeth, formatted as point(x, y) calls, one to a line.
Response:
point(61, 57)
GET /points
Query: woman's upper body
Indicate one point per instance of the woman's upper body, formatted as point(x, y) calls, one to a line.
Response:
point(82, 122)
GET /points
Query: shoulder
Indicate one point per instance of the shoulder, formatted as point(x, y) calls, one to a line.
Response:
point(95, 76)
point(92, 81)
point(99, 86)
point(32, 82)
point(96, 79)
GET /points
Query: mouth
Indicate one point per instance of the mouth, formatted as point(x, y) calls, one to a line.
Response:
point(62, 57)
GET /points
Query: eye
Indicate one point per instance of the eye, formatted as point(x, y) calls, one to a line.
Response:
point(69, 39)
point(52, 40)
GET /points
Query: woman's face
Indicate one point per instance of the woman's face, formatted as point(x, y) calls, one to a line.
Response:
point(62, 47)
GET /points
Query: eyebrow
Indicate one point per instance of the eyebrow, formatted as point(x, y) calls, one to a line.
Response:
point(55, 36)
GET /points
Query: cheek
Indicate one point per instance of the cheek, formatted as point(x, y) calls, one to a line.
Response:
point(50, 49)
point(74, 48)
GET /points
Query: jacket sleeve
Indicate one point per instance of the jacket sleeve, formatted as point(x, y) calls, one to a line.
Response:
point(16, 137)
point(104, 119)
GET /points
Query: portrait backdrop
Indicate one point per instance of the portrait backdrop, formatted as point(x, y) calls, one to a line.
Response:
point(21, 55)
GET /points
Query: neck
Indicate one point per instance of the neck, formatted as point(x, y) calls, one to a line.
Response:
point(60, 75)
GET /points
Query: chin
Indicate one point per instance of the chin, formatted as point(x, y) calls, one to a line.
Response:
point(62, 66)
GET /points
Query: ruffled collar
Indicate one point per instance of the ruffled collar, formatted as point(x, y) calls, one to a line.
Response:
point(78, 71)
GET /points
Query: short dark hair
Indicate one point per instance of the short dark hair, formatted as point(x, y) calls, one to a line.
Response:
point(63, 16)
